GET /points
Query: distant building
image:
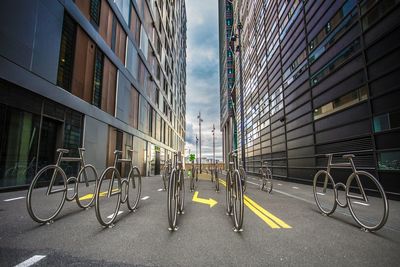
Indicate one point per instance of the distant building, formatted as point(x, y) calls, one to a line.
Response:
point(103, 74)
point(319, 77)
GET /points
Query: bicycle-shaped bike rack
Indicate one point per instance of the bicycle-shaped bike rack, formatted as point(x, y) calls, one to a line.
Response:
point(266, 182)
point(114, 190)
point(214, 174)
point(370, 212)
point(193, 178)
point(45, 204)
point(234, 193)
point(176, 193)
point(166, 173)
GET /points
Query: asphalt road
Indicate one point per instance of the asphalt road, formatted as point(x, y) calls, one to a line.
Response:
point(297, 236)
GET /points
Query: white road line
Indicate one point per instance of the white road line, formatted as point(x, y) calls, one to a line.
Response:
point(146, 197)
point(11, 199)
point(295, 187)
point(31, 261)
point(360, 203)
point(119, 212)
point(322, 194)
point(159, 190)
point(69, 189)
point(253, 183)
point(293, 196)
point(280, 184)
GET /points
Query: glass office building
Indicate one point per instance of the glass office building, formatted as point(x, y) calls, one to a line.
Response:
point(99, 74)
point(320, 77)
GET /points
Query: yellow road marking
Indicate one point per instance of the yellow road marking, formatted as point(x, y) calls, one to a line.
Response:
point(266, 216)
point(209, 201)
point(267, 213)
point(262, 216)
point(90, 196)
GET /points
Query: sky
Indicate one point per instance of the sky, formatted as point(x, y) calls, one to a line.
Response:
point(202, 89)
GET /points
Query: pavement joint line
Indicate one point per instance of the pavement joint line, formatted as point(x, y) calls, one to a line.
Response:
point(31, 261)
point(360, 203)
point(110, 216)
point(146, 197)
point(266, 216)
point(12, 199)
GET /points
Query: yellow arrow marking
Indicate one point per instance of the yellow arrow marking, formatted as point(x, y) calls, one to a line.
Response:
point(266, 216)
point(90, 196)
point(209, 201)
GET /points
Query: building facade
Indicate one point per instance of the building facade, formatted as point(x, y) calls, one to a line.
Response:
point(321, 77)
point(227, 77)
point(99, 74)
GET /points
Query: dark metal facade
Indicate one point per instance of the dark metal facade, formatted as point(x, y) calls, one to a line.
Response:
point(321, 77)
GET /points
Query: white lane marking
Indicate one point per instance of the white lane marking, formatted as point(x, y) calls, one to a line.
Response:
point(253, 183)
point(295, 187)
point(360, 203)
point(31, 261)
point(119, 212)
point(293, 196)
point(322, 194)
point(159, 190)
point(280, 184)
point(69, 189)
point(146, 197)
point(11, 199)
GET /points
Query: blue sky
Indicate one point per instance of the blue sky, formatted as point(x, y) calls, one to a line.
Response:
point(202, 75)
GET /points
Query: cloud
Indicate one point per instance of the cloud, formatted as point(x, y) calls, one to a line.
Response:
point(203, 76)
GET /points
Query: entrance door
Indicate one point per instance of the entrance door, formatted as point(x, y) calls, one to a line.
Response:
point(50, 140)
point(157, 167)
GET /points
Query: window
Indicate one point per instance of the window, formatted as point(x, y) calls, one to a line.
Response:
point(389, 160)
point(132, 60)
point(333, 23)
point(341, 103)
point(66, 60)
point(387, 121)
point(113, 33)
point(98, 77)
point(376, 12)
point(94, 11)
point(335, 62)
point(124, 8)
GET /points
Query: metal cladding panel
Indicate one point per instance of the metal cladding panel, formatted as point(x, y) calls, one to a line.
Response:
point(17, 30)
point(47, 41)
point(95, 142)
point(33, 40)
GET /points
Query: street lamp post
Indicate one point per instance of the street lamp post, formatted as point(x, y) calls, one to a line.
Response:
point(213, 134)
point(239, 50)
point(197, 142)
point(200, 120)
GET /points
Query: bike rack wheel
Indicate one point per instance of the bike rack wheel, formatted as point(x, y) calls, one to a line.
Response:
point(238, 203)
point(181, 191)
point(216, 182)
point(108, 196)
point(371, 213)
point(134, 189)
point(325, 197)
point(269, 182)
point(37, 193)
point(228, 194)
point(165, 179)
point(85, 193)
point(172, 201)
point(192, 179)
